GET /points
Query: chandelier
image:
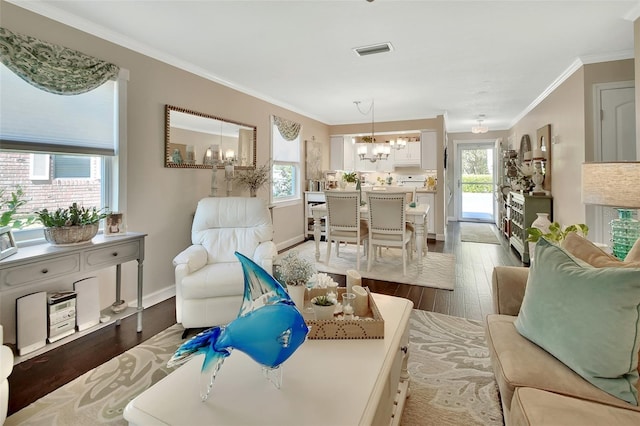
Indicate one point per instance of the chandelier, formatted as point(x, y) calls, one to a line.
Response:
point(398, 143)
point(480, 128)
point(378, 152)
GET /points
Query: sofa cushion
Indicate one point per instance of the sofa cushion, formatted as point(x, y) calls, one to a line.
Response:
point(518, 362)
point(585, 250)
point(536, 407)
point(588, 318)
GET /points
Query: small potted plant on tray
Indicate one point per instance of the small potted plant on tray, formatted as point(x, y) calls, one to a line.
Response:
point(324, 307)
point(72, 225)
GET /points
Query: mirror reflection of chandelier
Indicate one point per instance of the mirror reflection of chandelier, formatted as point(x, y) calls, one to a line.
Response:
point(378, 152)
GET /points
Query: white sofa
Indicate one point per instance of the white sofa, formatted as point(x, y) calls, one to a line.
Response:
point(6, 367)
point(209, 278)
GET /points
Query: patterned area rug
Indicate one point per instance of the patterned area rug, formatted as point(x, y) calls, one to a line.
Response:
point(452, 382)
point(478, 233)
point(451, 379)
point(437, 271)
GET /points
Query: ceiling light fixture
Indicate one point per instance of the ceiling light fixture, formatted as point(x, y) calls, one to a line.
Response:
point(378, 152)
point(373, 49)
point(480, 128)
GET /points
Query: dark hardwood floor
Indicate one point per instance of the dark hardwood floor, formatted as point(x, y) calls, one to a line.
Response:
point(471, 298)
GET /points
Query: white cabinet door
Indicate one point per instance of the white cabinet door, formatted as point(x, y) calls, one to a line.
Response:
point(342, 153)
point(429, 140)
point(349, 153)
point(409, 155)
point(336, 154)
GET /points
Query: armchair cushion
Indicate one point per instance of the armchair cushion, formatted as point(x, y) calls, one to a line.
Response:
point(586, 317)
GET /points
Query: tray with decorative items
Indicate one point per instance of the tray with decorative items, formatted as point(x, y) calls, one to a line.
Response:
point(350, 316)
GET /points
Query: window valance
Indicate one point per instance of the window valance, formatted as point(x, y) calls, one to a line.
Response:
point(287, 128)
point(51, 67)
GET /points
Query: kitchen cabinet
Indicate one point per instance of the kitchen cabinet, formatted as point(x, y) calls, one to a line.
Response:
point(410, 155)
point(342, 153)
point(429, 154)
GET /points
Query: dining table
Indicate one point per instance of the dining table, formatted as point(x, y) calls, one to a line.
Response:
point(416, 214)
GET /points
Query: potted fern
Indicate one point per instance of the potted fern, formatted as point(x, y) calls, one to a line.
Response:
point(73, 225)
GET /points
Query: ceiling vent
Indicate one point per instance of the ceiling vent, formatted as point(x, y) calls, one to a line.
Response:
point(373, 49)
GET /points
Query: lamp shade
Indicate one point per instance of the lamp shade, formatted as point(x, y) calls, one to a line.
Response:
point(611, 184)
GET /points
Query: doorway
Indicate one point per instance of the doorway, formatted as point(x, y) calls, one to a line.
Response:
point(614, 140)
point(476, 182)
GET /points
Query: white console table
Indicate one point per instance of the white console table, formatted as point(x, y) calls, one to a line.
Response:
point(22, 272)
point(325, 382)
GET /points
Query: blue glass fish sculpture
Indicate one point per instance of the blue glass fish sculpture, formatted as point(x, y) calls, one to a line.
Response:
point(269, 328)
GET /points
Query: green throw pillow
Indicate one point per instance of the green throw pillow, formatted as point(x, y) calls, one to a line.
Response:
point(588, 318)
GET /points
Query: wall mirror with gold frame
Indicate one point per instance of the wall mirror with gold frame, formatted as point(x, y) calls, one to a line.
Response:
point(193, 139)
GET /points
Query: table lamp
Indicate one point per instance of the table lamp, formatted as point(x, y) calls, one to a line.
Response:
point(614, 185)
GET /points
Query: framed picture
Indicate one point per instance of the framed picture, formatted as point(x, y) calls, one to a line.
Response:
point(114, 224)
point(313, 159)
point(7, 242)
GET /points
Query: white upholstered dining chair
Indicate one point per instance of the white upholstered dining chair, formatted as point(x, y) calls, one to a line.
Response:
point(343, 222)
point(387, 225)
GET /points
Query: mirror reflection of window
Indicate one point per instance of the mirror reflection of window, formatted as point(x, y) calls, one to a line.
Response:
point(193, 134)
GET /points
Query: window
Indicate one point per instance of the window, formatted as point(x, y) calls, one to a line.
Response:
point(59, 149)
point(285, 153)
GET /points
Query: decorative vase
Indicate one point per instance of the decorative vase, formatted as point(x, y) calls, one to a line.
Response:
point(252, 192)
point(542, 223)
point(67, 235)
point(323, 312)
point(296, 292)
point(625, 230)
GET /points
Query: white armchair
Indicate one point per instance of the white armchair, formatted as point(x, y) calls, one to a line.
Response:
point(209, 278)
point(6, 366)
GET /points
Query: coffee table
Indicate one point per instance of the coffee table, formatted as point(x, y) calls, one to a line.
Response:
point(325, 382)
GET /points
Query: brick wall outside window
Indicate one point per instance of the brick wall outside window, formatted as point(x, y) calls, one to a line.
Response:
point(51, 193)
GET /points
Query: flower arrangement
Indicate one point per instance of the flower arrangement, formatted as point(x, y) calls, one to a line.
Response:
point(294, 270)
point(253, 179)
point(350, 177)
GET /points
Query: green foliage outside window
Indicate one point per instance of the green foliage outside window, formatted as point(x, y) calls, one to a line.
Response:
point(477, 183)
point(283, 181)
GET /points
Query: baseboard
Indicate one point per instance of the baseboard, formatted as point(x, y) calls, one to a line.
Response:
point(156, 297)
point(290, 242)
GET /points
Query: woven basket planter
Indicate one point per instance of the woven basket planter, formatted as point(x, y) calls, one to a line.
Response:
point(71, 234)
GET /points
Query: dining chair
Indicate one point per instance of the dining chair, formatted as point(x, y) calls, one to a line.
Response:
point(344, 223)
point(387, 225)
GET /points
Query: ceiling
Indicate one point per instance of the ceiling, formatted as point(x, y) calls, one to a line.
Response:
point(455, 58)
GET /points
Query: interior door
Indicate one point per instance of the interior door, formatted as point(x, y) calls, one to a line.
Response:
point(615, 140)
point(476, 182)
